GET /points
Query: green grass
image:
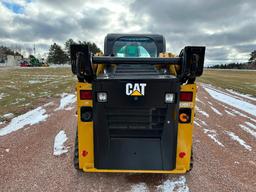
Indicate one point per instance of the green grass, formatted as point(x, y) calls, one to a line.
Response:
point(23, 89)
point(239, 80)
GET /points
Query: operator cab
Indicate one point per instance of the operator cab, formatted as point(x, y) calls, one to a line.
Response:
point(134, 46)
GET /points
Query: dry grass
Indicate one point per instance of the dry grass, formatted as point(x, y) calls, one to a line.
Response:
point(239, 80)
point(22, 89)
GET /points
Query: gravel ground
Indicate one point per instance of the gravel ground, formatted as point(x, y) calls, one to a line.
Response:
point(29, 164)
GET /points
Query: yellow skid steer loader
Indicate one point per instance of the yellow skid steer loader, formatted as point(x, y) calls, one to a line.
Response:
point(135, 105)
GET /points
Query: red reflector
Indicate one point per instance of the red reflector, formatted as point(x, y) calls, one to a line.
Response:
point(182, 154)
point(186, 96)
point(85, 94)
point(84, 153)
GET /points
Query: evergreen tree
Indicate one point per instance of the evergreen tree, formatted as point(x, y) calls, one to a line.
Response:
point(92, 46)
point(57, 55)
point(67, 46)
point(253, 57)
point(252, 60)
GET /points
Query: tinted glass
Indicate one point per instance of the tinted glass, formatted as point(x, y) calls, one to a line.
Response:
point(135, 47)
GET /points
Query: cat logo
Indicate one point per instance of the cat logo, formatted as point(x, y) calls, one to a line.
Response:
point(136, 89)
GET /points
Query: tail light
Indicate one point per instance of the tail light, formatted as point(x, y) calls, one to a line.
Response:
point(85, 94)
point(185, 115)
point(186, 96)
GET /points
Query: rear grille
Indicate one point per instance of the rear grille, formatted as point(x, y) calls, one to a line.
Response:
point(136, 70)
point(136, 121)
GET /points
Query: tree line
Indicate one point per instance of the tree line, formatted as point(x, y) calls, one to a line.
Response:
point(57, 55)
point(4, 51)
point(251, 64)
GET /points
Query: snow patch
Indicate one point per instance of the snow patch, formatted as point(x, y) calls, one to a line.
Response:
point(210, 103)
point(69, 108)
point(253, 120)
point(59, 65)
point(228, 112)
point(202, 122)
point(8, 115)
point(30, 118)
point(59, 141)
point(26, 104)
point(212, 134)
point(196, 123)
point(12, 87)
point(216, 111)
point(34, 81)
point(202, 112)
point(178, 184)
point(48, 104)
point(140, 187)
point(199, 101)
point(239, 113)
point(248, 130)
point(234, 102)
point(246, 96)
point(2, 95)
point(18, 100)
point(239, 140)
point(66, 100)
point(251, 125)
point(7, 150)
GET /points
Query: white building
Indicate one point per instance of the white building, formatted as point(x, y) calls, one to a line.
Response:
point(13, 61)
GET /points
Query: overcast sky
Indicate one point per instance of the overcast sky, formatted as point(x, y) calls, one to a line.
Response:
point(226, 27)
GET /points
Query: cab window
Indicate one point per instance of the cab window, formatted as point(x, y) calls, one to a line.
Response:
point(135, 47)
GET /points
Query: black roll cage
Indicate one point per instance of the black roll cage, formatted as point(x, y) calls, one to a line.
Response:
point(190, 60)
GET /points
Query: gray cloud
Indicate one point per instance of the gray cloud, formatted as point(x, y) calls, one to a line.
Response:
point(230, 25)
point(52, 21)
point(31, 29)
point(245, 48)
point(226, 27)
point(94, 20)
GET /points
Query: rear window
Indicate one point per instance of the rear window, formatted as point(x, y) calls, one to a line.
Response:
point(135, 47)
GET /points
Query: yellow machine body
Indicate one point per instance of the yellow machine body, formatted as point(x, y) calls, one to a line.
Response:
point(86, 141)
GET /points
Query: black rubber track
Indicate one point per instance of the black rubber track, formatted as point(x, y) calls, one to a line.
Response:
point(191, 161)
point(76, 160)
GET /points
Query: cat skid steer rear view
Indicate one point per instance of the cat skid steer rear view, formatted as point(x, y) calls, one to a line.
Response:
point(135, 105)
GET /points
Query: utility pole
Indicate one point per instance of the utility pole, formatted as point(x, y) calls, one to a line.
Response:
point(34, 49)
